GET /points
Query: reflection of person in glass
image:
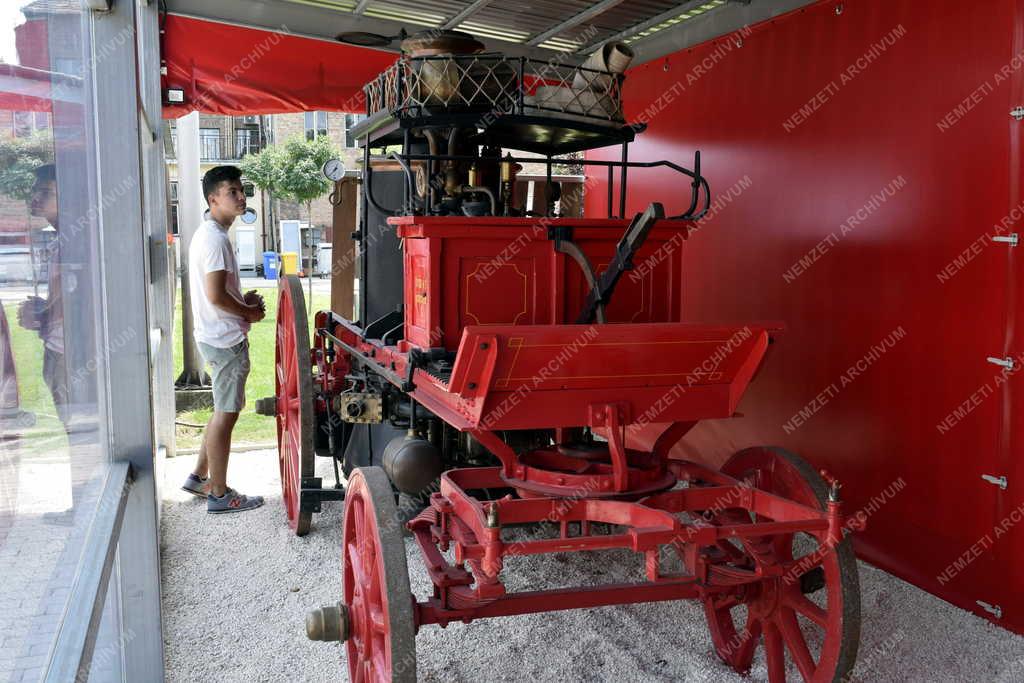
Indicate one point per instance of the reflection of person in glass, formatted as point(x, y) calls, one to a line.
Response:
point(46, 316)
point(12, 418)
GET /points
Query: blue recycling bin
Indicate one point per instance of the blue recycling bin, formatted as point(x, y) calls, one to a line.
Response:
point(270, 265)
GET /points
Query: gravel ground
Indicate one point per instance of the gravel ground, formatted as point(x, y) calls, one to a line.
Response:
point(236, 589)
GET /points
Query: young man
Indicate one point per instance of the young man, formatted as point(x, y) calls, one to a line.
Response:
point(46, 316)
point(221, 316)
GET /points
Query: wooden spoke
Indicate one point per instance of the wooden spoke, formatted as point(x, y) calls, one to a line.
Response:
point(804, 606)
point(776, 602)
point(294, 390)
point(375, 580)
point(795, 642)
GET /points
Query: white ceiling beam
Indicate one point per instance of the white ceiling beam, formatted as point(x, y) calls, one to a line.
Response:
point(575, 20)
point(731, 17)
point(469, 11)
point(361, 7)
point(642, 26)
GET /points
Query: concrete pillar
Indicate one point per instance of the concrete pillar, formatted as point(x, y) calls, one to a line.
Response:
point(191, 205)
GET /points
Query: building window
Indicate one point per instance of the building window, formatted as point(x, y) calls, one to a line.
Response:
point(22, 124)
point(174, 206)
point(209, 144)
point(350, 121)
point(247, 141)
point(28, 122)
point(315, 124)
point(68, 67)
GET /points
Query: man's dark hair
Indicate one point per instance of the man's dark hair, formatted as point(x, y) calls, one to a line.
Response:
point(46, 173)
point(217, 175)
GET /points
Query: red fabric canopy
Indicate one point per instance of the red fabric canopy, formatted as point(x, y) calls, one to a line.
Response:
point(25, 89)
point(238, 71)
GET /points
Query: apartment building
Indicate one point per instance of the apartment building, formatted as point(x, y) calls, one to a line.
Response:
point(227, 139)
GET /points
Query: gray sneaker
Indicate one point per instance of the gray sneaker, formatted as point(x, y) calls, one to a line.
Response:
point(197, 486)
point(232, 501)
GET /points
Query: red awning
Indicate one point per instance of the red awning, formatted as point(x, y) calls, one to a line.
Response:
point(25, 89)
point(238, 71)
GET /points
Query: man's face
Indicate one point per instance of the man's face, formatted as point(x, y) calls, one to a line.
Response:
point(228, 199)
point(43, 201)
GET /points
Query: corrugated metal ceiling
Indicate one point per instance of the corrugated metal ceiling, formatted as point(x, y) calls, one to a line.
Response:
point(557, 22)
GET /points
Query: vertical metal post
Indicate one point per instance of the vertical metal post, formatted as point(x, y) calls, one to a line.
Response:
point(364, 223)
point(519, 90)
point(410, 191)
point(549, 206)
point(123, 269)
point(622, 180)
point(611, 191)
point(399, 79)
point(190, 212)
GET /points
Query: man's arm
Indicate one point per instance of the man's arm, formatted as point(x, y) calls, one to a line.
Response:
point(217, 293)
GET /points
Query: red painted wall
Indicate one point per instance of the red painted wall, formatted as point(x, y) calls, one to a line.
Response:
point(880, 185)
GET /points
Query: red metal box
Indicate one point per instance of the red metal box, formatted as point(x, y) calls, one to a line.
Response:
point(505, 271)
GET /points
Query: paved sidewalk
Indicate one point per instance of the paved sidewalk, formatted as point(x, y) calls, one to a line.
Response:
point(38, 559)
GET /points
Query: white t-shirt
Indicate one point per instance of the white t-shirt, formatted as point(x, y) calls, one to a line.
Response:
point(211, 251)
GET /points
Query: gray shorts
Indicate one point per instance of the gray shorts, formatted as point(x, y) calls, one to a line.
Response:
point(230, 368)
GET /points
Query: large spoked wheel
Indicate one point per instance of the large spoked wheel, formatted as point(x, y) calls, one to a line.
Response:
point(809, 619)
point(294, 390)
point(382, 634)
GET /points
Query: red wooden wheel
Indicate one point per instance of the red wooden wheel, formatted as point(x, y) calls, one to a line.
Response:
point(294, 389)
point(382, 634)
point(819, 632)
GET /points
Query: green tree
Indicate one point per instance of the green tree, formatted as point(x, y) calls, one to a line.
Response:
point(19, 158)
point(302, 180)
point(292, 170)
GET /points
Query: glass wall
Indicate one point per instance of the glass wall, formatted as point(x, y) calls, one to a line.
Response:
point(53, 461)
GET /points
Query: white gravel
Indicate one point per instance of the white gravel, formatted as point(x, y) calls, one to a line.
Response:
point(236, 589)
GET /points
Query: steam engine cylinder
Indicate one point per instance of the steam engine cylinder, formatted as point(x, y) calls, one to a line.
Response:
point(411, 463)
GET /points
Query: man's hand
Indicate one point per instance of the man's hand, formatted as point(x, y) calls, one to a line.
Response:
point(253, 298)
point(30, 313)
point(254, 314)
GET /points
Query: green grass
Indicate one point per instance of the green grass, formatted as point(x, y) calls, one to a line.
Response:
point(251, 428)
point(48, 433)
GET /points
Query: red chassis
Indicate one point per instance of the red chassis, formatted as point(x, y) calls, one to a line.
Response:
point(761, 543)
point(761, 534)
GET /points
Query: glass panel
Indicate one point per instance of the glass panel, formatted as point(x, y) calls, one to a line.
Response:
point(350, 121)
point(51, 465)
point(308, 125)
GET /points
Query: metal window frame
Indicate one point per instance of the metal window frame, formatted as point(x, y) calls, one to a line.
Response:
point(76, 639)
point(125, 140)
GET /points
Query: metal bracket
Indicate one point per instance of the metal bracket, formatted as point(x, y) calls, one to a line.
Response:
point(1017, 113)
point(312, 494)
point(994, 610)
point(1001, 482)
point(1012, 239)
point(360, 408)
point(1002, 362)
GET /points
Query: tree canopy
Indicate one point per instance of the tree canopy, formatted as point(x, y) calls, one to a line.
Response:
point(19, 159)
point(292, 170)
